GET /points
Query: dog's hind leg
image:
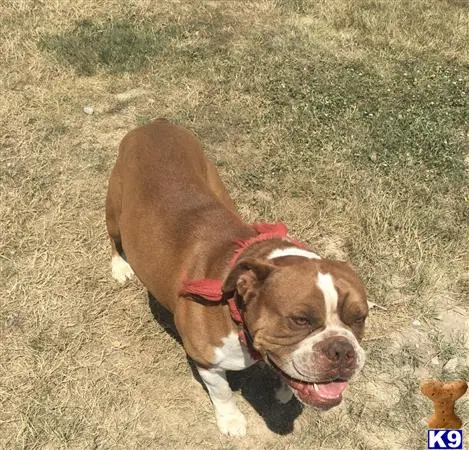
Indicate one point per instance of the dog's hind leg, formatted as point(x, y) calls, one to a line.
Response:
point(120, 268)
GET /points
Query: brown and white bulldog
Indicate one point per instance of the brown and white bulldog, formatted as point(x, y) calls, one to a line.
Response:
point(238, 293)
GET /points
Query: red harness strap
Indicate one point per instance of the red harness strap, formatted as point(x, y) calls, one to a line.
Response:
point(208, 289)
point(211, 289)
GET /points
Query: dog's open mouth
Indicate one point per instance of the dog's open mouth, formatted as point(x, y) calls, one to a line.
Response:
point(320, 395)
point(323, 395)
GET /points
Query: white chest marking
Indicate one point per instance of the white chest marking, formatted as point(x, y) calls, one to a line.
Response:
point(232, 355)
point(331, 297)
point(292, 251)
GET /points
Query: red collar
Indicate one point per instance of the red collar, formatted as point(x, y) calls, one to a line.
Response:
point(211, 289)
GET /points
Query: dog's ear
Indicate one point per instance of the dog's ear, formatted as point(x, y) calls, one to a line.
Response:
point(247, 275)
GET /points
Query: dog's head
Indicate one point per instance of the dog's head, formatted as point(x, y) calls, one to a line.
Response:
point(306, 318)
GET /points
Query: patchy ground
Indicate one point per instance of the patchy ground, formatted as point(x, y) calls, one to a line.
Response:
point(348, 120)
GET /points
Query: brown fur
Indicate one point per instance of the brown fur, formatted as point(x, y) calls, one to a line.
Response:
point(169, 212)
point(162, 191)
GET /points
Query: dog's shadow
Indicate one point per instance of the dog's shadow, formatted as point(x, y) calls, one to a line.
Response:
point(257, 383)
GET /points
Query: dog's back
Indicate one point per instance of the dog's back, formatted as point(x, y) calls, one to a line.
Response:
point(163, 191)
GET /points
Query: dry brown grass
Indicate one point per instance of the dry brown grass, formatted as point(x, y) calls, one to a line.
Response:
point(327, 115)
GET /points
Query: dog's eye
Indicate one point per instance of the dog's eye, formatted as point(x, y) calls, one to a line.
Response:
point(300, 321)
point(360, 320)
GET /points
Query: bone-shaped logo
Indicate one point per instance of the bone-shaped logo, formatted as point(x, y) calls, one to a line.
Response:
point(444, 395)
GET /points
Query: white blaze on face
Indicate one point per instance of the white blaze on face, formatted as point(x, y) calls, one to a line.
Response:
point(331, 298)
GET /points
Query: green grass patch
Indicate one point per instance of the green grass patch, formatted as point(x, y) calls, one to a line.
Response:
point(117, 46)
point(414, 117)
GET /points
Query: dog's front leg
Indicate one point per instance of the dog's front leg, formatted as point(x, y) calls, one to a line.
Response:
point(230, 419)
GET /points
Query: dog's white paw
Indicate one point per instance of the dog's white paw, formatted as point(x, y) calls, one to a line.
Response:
point(233, 424)
point(120, 269)
point(283, 393)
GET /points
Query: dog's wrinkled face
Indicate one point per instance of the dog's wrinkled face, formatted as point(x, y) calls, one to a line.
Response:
point(306, 317)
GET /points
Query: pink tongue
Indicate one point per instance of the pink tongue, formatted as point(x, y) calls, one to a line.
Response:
point(332, 389)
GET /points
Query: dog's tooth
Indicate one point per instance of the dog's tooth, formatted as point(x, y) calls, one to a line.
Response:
point(315, 387)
